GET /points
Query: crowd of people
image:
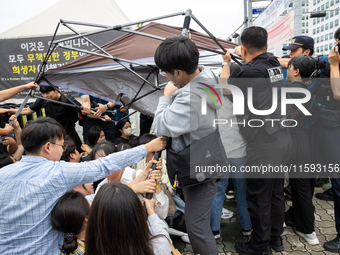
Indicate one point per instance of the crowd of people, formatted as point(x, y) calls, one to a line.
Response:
point(61, 195)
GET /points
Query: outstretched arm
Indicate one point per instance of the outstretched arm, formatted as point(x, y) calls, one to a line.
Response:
point(7, 130)
point(284, 62)
point(8, 93)
point(334, 61)
point(25, 111)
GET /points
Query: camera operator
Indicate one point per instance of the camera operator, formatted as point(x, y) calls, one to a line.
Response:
point(328, 136)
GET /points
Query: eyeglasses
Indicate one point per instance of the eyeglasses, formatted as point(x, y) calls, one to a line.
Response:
point(64, 146)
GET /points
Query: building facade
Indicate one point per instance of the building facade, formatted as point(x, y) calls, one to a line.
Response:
point(323, 29)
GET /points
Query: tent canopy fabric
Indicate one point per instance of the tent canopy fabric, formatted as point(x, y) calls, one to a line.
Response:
point(104, 78)
point(87, 11)
point(135, 47)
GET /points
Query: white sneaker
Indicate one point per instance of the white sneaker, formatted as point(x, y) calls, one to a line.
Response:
point(185, 238)
point(217, 236)
point(247, 232)
point(226, 214)
point(230, 194)
point(310, 238)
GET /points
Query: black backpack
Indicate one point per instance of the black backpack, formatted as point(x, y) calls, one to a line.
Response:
point(325, 109)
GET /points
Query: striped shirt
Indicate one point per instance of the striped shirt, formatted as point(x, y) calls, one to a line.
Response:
point(30, 188)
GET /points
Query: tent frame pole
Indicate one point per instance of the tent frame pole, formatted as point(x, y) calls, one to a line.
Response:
point(155, 71)
point(117, 27)
point(59, 43)
point(87, 39)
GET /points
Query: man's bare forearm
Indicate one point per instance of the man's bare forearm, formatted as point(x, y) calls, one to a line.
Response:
point(335, 81)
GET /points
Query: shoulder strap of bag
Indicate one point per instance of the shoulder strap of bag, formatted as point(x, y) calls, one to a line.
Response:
point(174, 250)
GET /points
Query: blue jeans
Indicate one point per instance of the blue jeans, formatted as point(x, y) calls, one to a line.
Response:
point(240, 186)
point(180, 205)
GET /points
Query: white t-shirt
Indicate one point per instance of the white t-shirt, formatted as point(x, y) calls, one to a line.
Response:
point(162, 201)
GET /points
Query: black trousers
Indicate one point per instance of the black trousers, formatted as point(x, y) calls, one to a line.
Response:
point(145, 123)
point(265, 195)
point(302, 211)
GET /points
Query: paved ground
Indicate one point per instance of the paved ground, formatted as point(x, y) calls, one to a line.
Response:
point(230, 232)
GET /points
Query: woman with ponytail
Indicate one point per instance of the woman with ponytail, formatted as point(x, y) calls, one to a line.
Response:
point(69, 216)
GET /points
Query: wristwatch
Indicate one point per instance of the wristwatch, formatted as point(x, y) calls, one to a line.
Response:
point(226, 64)
point(108, 106)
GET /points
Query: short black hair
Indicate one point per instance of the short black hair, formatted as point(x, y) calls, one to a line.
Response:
point(254, 39)
point(177, 52)
point(145, 138)
point(71, 148)
point(123, 146)
point(306, 65)
point(337, 34)
point(38, 132)
point(93, 135)
point(106, 147)
point(45, 89)
point(134, 141)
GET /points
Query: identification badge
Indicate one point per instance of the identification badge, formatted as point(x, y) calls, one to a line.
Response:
point(275, 74)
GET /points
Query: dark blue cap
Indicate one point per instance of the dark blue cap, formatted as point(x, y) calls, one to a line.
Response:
point(300, 41)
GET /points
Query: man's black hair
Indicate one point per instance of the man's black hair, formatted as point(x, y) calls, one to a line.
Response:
point(38, 132)
point(337, 34)
point(177, 52)
point(46, 89)
point(71, 148)
point(254, 39)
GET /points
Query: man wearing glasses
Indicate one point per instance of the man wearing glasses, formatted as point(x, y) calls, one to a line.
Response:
point(30, 188)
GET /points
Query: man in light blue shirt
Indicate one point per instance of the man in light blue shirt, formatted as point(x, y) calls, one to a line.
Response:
point(30, 188)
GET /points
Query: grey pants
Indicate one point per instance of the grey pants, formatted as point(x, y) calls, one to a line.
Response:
point(198, 200)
